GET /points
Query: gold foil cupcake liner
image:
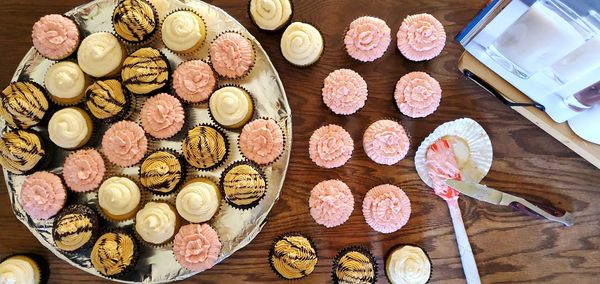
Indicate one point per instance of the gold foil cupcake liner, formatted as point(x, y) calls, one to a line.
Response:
point(195, 51)
point(201, 103)
point(95, 220)
point(262, 175)
point(195, 177)
point(272, 253)
point(182, 179)
point(322, 51)
point(366, 252)
point(252, 99)
point(399, 246)
point(178, 223)
point(279, 29)
point(122, 222)
point(249, 71)
point(280, 154)
point(151, 37)
point(227, 149)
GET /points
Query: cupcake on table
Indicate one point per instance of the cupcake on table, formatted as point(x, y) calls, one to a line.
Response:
point(421, 37)
point(331, 203)
point(386, 142)
point(24, 269)
point(330, 146)
point(302, 44)
point(418, 94)
point(344, 92)
point(386, 208)
point(367, 39)
point(408, 265)
point(270, 15)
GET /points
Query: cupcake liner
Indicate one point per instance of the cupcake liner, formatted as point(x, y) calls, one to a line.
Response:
point(257, 169)
point(128, 109)
point(194, 50)
point(278, 157)
point(252, 98)
point(195, 177)
point(245, 75)
point(84, 209)
point(322, 51)
point(272, 252)
point(74, 51)
point(278, 29)
point(88, 82)
point(227, 149)
point(39, 261)
point(356, 248)
point(149, 38)
point(143, 197)
point(178, 186)
point(186, 102)
point(399, 246)
point(178, 224)
point(136, 251)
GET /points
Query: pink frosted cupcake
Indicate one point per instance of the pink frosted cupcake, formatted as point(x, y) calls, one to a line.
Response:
point(331, 203)
point(55, 37)
point(162, 116)
point(194, 81)
point(345, 91)
point(386, 142)
point(386, 208)
point(367, 39)
point(330, 146)
point(124, 143)
point(43, 195)
point(418, 94)
point(232, 55)
point(262, 141)
point(421, 37)
point(84, 170)
point(197, 247)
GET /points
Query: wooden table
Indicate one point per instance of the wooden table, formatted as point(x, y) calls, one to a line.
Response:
point(508, 246)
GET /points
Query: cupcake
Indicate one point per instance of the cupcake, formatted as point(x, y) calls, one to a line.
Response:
point(22, 151)
point(270, 15)
point(135, 21)
point(386, 142)
point(23, 104)
point(162, 116)
point(244, 185)
point(421, 37)
point(84, 170)
point(386, 208)
point(74, 228)
point(107, 100)
point(162, 172)
point(354, 265)
point(232, 55)
point(156, 223)
point(194, 81)
point(262, 141)
point(42, 195)
point(205, 147)
point(367, 39)
point(345, 91)
point(124, 143)
point(101, 55)
point(70, 128)
point(330, 146)
point(408, 265)
point(302, 44)
point(331, 203)
point(183, 32)
point(197, 247)
point(231, 107)
point(146, 70)
point(66, 83)
point(55, 37)
point(199, 200)
point(24, 268)
point(418, 94)
point(293, 256)
point(119, 198)
point(114, 253)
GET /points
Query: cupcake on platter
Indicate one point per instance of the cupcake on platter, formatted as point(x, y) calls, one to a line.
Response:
point(162, 172)
point(231, 107)
point(344, 91)
point(302, 44)
point(386, 208)
point(330, 146)
point(331, 203)
point(135, 21)
point(75, 228)
point(194, 81)
point(386, 142)
point(262, 141)
point(270, 15)
point(406, 264)
point(199, 200)
point(183, 31)
point(23, 151)
point(66, 83)
point(156, 223)
point(197, 247)
point(205, 147)
point(119, 199)
point(418, 94)
point(101, 55)
point(23, 104)
point(115, 253)
point(42, 195)
point(421, 37)
point(108, 101)
point(145, 71)
point(367, 39)
point(162, 116)
point(232, 55)
point(55, 37)
point(124, 143)
point(70, 128)
point(244, 185)
point(84, 170)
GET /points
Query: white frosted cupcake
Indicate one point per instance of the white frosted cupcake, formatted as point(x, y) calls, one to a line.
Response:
point(70, 128)
point(156, 223)
point(270, 15)
point(199, 200)
point(231, 107)
point(302, 44)
point(101, 55)
point(119, 198)
point(408, 265)
point(183, 31)
point(66, 83)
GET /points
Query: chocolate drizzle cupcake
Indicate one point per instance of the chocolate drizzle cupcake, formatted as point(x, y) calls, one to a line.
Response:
point(354, 265)
point(146, 70)
point(244, 185)
point(205, 147)
point(293, 256)
point(76, 227)
point(114, 253)
point(162, 172)
point(22, 151)
point(135, 21)
point(107, 100)
point(23, 104)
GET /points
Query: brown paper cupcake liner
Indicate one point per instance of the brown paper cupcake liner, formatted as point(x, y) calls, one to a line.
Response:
point(79, 208)
point(194, 51)
point(359, 249)
point(151, 37)
point(143, 197)
point(227, 149)
point(39, 261)
point(282, 151)
point(178, 223)
point(186, 102)
point(399, 246)
point(257, 169)
point(136, 251)
point(195, 177)
point(72, 55)
point(272, 252)
point(127, 111)
point(278, 29)
point(252, 99)
point(179, 184)
point(88, 82)
point(250, 69)
point(320, 56)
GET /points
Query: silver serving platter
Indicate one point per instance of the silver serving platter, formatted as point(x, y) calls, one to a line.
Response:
point(236, 228)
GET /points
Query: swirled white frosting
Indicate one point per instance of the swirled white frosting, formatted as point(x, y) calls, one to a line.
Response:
point(100, 54)
point(270, 14)
point(182, 30)
point(301, 44)
point(198, 202)
point(68, 128)
point(16, 270)
point(65, 80)
point(230, 105)
point(408, 265)
point(155, 223)
point(119, 195)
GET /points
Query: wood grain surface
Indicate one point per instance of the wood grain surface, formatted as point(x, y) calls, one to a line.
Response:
point(508, 247)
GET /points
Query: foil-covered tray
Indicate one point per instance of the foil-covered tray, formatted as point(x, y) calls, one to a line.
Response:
point(236, 228)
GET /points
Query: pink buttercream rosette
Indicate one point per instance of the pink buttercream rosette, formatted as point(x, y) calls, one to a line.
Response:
point(418, 94)
point(232, 55)
point(386, 208)
point(124, 143)
point(197, 247)
point(330, 146)
point(84, 170)
point(331, 203)
point(367, 39)
point(262, 141)
point(194, 81)
point(421, 37)
point(42, 195)
point(55, 36)
point(345, 91)
point(386, 142)
point(162, 116)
